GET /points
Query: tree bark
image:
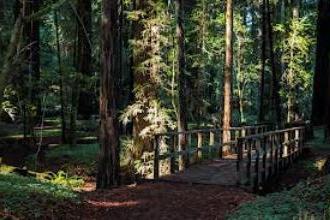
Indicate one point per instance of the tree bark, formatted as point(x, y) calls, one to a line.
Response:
point(261, 116)
point(322, 68)
point(12, 58)
point(182, 117)
point(275, 85)
point(109, 161)
point(84, 55)
point(34, 57)
point(227, 115)
point(62, 81)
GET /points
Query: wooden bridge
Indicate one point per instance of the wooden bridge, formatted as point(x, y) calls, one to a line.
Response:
point(254, 156)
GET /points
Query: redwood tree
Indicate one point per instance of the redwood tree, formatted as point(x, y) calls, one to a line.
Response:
point(84, 55)
point(322, 68)
point(109, 162)
point(227, 114)
point(276, 102)
point(182, 118)
point(33, 31)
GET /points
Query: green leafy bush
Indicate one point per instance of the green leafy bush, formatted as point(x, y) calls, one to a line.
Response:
point(62, 178)
point(312, 198)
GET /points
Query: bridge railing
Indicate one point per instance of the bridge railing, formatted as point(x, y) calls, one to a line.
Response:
point(263, 156)
point(198, 145)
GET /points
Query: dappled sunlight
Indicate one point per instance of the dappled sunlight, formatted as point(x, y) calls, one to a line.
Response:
point(113, 204)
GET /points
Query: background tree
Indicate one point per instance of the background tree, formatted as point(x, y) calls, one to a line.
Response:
point(109, 162)
point(227, 114)
point(182, 118)
point(322, 67)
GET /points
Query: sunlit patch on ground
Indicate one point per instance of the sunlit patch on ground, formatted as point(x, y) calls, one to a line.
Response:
point(109, 204)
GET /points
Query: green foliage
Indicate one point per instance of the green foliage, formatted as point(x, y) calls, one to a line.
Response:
point(31, 198)
point(62, 178)
point(306, 198)
point(298, 57)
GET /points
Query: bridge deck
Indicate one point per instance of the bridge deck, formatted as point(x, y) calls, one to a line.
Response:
point(215, 172)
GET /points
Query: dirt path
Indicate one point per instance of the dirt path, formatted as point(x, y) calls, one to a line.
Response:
point(161, 201)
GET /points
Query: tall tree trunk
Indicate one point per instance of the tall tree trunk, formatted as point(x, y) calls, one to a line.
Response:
point(275, 85)
point(322, 67)
point(32, 71)
point(62, 81)
point(13, 58)
point(261, 117)
point(182, 108)
point(2, 43)
point(109, 161)
point(240, 75)
point(227, 114)
point(84, 56)
point(34, 57)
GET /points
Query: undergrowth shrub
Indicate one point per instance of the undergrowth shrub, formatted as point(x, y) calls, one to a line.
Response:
point(309, 198)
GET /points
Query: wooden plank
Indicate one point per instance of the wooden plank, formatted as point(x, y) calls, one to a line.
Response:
point(189, 143)
point(172, 154)
point(221, 144)
point(199, 146)
point(271, 157)
point(263, 143)
point(249, 161)
point(156, 157)
point(256, 171)
point(211, 143)
point(277, 151)
point(297, 144)
point(239, 159)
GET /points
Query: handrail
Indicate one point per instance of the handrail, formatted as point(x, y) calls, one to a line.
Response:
point(271, 132)
point(211, 130)
point(261, 157)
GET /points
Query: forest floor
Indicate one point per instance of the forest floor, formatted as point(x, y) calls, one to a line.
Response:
point(164, 200)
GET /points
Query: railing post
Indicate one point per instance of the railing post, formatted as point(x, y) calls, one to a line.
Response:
point(182, 142)
point(211, 143)
point(271, 156)
point(199, 146)
point(249, 162)
point(172, 153)
point(239, 159)
point(156, 157)
point(263, 143)
point(256, 167)
point(291, 146)
point(282, 144)
point(243, 134)
point(286, 148)
point(221, 144)
point(188, 148)
point(297, 142)
point(277, 150)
